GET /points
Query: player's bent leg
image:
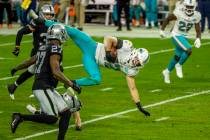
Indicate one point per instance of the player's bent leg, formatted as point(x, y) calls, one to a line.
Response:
point(17, 118)
point(22, 78)
point(93, 71)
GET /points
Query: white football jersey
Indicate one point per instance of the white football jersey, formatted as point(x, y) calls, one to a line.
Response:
point(184, 23)
point(121, 63)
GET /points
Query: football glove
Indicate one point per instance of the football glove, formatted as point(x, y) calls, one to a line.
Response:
point(162, 34)
point(16, 51)
point(32, 14)
point(197, 43)
point(76, 87)
point(146, 113)
point(13, 71)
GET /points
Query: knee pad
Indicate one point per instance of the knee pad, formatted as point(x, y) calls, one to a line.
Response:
point(176, 58)
point(189, 51)
point(31, 69)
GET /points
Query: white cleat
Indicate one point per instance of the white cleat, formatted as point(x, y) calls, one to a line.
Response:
point(179, 70)
point(12, 96)
point(166, 76)
point(31, 109)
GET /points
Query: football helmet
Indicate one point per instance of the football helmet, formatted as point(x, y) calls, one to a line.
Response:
point(57, 31)
point(46, 10)
point(72, 102)
point(139, 57)
point(189, 7)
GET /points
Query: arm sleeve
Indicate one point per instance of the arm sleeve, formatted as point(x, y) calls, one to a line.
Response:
point(21, 32)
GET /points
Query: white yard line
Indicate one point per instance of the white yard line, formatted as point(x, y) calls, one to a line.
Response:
point(80, 65)
point(7, 78)
point(74, 66)
point(155, 90)
point(4, 58)
point(162, 119)
point(118, 114)
point(13, 44)
point(106, 89)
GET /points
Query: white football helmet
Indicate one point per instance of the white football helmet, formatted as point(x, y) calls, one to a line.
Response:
point(45, 10)
point(189, 7)
point(139, 57)
point(57, 31)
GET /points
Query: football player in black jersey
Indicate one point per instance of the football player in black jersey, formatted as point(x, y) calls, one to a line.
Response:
point(39, 39)
point(47, 68)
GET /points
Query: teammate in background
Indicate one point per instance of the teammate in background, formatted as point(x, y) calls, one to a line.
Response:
point(39, 39)
point(114, 53)
point(47, 68)
point(185, 17)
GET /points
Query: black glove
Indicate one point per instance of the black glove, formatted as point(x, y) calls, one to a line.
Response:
point(142, 109)
point(13, 71)
point(77, 88)
point(16, 51)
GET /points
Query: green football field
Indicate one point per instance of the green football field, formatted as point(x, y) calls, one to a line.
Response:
point(179, 111)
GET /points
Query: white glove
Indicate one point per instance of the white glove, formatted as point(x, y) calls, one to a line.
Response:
point(197, 43)
point(32, 14)
point(162, 34)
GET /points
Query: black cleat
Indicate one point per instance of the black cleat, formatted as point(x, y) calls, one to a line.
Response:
point(78, 128)
point(16, 120)
point(11, 89)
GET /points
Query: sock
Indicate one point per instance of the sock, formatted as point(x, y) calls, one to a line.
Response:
point(183, 58)
point(63, 124)
point(23, 77)
point(40, 118)
point(172, 64)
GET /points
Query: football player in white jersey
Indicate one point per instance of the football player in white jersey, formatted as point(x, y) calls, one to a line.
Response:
point(120, 55)
point(185, 17)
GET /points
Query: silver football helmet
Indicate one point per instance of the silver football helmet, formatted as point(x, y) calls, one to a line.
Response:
point(72, 102)
point(45, 10)
point(139, 57)
point(189, 7)
point(57, 31)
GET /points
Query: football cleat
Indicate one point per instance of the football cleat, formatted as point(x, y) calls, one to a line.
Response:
point(16, 120)
point(31, 109)
point(11, 89)
point(179, 70)
point(166, 76)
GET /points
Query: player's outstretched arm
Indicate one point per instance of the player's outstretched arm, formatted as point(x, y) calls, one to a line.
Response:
point(55, 67)
point(23, 31)
point(24, 64)
point(167, 20)
point(134, 93)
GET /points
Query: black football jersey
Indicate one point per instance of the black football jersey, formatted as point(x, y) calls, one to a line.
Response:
point(39, 35)
point(43, 75)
